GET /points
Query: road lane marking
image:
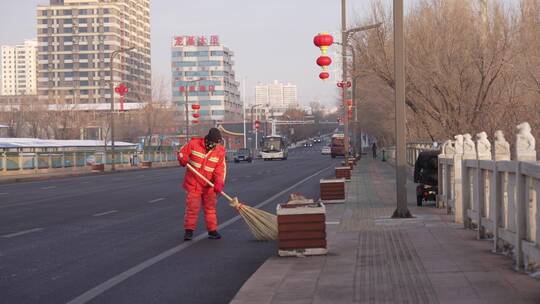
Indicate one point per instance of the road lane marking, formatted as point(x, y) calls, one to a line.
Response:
point(110, 283)
point(3, 193)
point(156, 200)
point(105, 213)
point(332, 223)
point(21, 232)
point(48, 187)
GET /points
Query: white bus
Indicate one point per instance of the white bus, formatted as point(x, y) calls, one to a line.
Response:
point(274, 147)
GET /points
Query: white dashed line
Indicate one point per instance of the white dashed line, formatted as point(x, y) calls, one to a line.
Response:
point(332, 223)
point(49, 187)
point(119, 278)
point(21, 232)
point(105, 213)
point(156, 200)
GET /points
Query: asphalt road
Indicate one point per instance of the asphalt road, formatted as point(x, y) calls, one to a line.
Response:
point(117, 238)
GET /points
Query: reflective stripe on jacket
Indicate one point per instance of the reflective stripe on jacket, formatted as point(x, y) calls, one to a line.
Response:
point(210, 164)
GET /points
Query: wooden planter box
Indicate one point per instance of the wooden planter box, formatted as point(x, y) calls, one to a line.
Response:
point(146, 164)
point(332, 191)
point(301, 229)
point(98, 167)
point(343, 172)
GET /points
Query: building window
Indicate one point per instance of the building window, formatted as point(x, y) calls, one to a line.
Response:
point(216, 53)
point(209, 63)
point(185, 64)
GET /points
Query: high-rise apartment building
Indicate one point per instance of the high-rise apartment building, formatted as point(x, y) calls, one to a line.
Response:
point(275, 94)
point(203, 67)
point(18, 69)
point(290, 96)
point(277, 97)
point(75, 41)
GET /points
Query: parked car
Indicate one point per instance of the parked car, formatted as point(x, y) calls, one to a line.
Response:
point(326, 150)
point(243, 155)
point(425, 175)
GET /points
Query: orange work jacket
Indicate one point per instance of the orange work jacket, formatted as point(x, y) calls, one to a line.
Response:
point(210, 164)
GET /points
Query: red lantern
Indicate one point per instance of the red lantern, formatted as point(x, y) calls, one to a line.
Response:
point(196, 115)
point(195, 106)
point(257, 124)
point(349, 102)
point(324, 61)
point(323, 41)
point(324, 75)
point(195, 121)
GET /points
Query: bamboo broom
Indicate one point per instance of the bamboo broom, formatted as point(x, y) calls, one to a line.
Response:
point(263, 225)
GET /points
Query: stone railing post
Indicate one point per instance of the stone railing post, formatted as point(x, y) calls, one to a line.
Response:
point(521, 219)
point(483, 152)
point(469, 152)
point(525, 152)
point(458, 179)
point(501, 152)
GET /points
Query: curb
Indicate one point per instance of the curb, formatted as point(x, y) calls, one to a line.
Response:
point(21, 179)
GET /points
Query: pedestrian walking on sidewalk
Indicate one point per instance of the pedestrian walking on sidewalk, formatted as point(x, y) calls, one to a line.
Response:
point(374, 149)
point(207, 156)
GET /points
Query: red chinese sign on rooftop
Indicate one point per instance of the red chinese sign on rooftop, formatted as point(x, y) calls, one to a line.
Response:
point(202, 40)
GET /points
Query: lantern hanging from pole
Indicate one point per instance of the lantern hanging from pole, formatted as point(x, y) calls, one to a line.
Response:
point(324, 75)
point(323, 41)
point(195, 121)
point(324, 61)
point(195, 106)
point(196, 115)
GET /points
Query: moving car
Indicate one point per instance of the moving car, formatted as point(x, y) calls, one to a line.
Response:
point(308, 143)
point(326, 150)
point(243, 155)
point(425, 175)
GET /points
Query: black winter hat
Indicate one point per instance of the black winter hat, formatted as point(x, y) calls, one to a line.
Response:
point(214, 135)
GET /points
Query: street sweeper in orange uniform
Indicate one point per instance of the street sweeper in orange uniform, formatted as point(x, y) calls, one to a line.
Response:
point(207, 156)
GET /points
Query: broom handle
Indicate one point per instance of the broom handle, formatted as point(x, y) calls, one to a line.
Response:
point(230, 199)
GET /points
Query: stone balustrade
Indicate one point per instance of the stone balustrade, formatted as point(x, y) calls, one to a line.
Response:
point(485, 189)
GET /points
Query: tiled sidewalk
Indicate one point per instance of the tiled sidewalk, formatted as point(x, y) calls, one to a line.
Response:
point(374, 259)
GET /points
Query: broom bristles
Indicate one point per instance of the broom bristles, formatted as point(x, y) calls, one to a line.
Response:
point(263, 225)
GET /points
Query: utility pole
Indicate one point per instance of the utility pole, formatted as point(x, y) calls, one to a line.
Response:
point(402, 211)
point(111, 66)
point(344, 38)
point(244, 109)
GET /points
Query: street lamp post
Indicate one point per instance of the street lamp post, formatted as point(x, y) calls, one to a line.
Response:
point(113, 54)
point(344, 37)
point(399, 68)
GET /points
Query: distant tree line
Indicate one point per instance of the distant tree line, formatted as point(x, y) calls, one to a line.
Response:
point(466, 71)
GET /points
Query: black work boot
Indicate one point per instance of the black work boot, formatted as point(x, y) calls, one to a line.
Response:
point(214, 235)
point(188, 235)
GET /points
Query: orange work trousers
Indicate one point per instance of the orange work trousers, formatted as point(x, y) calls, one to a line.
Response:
point(193, 205)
